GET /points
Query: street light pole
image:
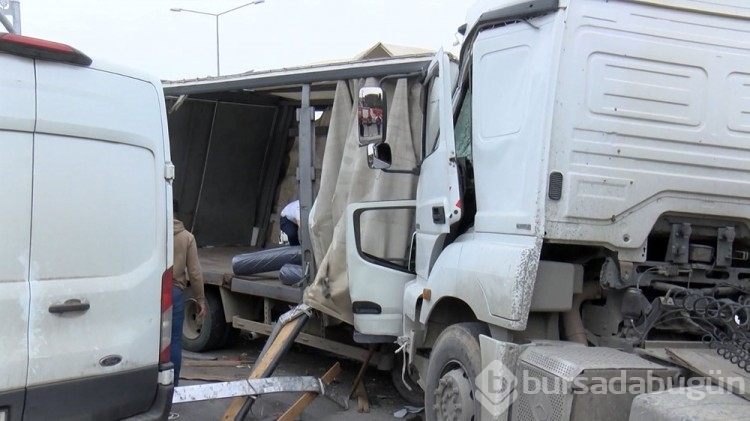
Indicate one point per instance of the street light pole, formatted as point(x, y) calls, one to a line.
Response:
point(216, 17)
point(218, 64)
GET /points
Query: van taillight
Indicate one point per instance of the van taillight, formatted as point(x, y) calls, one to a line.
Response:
point(166, 316)
point(41, 49)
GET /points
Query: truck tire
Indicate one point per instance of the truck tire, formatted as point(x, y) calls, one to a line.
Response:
point(212, 332)
point(415, 396)
point(455, 361)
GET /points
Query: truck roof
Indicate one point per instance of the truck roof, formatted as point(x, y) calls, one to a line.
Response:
point(736, 8)
point(278, 81)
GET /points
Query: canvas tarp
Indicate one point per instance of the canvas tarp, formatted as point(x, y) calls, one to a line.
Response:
point(346, 179)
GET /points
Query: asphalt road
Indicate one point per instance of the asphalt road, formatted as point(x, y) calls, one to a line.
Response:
point(235, 363)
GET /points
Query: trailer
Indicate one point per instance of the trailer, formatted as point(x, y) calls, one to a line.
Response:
point(243, 146)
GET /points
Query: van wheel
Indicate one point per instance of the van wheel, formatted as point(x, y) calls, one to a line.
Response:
point(454, 364)
point(212, 331)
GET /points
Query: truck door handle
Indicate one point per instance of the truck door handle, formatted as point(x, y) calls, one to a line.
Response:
point(438, 215)
point(69, 306)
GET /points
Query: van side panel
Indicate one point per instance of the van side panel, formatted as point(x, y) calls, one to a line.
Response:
point(17, 108)
point(98, 236)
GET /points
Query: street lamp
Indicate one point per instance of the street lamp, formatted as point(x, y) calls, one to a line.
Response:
point(216, 16)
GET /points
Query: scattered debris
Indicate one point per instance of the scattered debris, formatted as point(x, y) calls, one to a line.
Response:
point(408, 410)
point(189, 355)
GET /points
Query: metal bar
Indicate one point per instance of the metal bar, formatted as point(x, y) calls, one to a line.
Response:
point(306, 173)
point(270, 289)
point(306, 75)
point(15, 7)
point(249, 387)
point(338, 348)
point(6, 23)
point(271, 173)
point(205, 165)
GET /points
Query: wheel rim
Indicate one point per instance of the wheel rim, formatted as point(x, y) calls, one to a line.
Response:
point(191, 327)
point(454, 396)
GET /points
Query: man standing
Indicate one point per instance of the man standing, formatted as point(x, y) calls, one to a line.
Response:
point(289, 222)
point(186, 267)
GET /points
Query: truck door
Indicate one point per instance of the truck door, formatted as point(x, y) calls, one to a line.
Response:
point(378, 260)
point(438, 193)
point(17, 114)
point(377, 281)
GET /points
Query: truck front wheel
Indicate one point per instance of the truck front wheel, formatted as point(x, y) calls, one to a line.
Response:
point(455, 362)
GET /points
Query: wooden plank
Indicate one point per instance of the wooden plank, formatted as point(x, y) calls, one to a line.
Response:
point(363, 402)
point(708, 363)
point(361, 374)
point(222, 363)
point(338, 348)
point(296, 409)
point(263, 366)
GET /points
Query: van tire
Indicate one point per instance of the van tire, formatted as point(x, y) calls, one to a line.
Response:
point(455, 361)
point(213, 332)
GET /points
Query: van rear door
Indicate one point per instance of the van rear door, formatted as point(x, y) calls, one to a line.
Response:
point(99, 236)
point(17, 105)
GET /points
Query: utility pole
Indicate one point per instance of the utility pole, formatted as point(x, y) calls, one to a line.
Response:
point(15, 12)
point(10, 10)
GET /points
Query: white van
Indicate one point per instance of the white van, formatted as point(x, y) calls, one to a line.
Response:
point(86, 238)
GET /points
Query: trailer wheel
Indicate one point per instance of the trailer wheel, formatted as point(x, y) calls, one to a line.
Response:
point(209, 334)
point(455, 362)
point(415, 396)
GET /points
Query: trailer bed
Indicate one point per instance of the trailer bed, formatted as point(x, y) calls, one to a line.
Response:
point(216, 263)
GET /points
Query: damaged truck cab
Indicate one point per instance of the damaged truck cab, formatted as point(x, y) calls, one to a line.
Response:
point(581, 207)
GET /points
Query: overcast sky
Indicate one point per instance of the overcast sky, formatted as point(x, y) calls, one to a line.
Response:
point(278, 33)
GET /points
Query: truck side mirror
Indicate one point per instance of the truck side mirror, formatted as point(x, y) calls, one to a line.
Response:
point(370, 115)
point(379, 156)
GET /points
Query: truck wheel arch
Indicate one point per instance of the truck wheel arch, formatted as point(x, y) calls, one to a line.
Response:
point(443, 314)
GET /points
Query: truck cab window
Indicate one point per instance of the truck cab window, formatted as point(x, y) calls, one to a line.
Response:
point(463, 127)
point(432, 118)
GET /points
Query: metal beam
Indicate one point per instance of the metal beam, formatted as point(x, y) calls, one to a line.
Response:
point(269, 288)
point(301, 76)
point(306, 177)
point(248, 387)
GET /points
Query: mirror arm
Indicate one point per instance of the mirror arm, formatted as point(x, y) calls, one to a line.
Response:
point(420, 73)
point(413, 171)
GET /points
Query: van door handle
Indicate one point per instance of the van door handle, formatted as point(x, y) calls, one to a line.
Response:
point(69, 306)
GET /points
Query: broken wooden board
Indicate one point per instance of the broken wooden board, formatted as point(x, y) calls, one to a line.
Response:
point(363, 403)
point(361, 373)
point(708, 363)
point(296, 409)
point(278, 343)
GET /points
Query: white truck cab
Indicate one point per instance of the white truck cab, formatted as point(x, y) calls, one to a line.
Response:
point(86, 228)
point(583, 198)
